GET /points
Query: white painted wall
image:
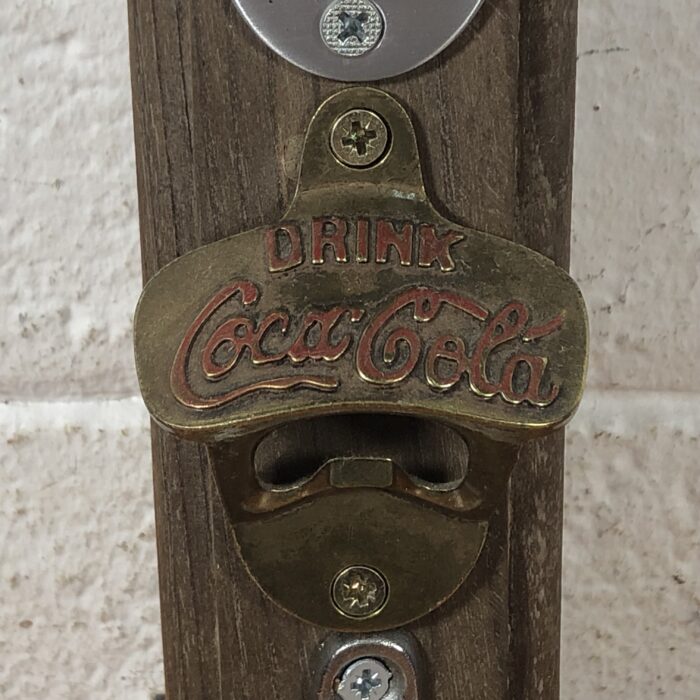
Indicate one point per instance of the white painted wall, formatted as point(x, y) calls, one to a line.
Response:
point(78, 595)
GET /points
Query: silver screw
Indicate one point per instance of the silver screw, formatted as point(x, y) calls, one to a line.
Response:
point(359, 138)
point(360, 592)
point(366, 679)
point(351, 28)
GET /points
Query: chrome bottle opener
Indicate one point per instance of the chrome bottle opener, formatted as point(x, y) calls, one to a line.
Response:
point(352, 40)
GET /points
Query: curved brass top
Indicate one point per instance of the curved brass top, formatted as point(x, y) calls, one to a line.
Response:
point(363, 299)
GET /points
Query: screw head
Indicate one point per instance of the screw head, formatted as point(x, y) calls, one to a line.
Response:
point(351, 28)
point(360, 592)
point(366, 679)
point(359, 138)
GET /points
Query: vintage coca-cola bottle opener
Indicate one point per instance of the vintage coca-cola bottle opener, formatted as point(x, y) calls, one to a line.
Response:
point(362, 310)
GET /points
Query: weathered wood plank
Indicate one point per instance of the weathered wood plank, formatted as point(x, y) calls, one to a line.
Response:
point(219, 120)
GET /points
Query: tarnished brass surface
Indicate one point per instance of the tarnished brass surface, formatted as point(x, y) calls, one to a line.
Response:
point(363, 300)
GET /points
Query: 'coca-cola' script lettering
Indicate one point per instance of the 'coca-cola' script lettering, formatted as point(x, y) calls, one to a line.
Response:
point(385, 347)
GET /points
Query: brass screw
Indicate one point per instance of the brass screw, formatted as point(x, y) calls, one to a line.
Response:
point(360, 592)
point(359, 138)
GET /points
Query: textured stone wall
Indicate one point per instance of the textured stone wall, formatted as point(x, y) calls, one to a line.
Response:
point(78, 593)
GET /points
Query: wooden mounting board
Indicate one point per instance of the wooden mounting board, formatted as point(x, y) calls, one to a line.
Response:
point(219, 122)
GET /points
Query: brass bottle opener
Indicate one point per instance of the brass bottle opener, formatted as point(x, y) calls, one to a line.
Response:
point(363, 315)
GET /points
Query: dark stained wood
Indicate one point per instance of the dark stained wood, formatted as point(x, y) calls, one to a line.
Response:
point(218, 121)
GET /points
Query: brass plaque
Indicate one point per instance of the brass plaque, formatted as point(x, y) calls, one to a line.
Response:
point(363, 298)
point(362, 301)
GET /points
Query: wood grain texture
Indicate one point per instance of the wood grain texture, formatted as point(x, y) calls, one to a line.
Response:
point(219, 121)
